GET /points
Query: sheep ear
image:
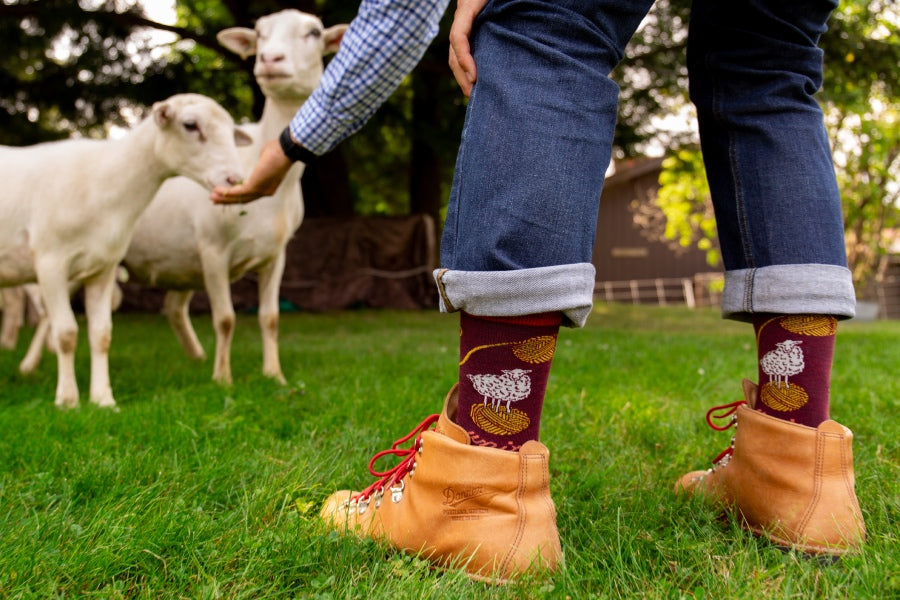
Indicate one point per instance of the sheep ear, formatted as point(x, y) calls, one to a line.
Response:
point(163, 114)
point(333, 36)
point(240, 40)
point(241, 137)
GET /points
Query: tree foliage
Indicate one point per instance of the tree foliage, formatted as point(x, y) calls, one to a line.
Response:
point(71, 69)
point(683, 199)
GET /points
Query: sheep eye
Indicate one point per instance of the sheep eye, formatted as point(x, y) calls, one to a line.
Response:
point(315, 33)
point(191, 126)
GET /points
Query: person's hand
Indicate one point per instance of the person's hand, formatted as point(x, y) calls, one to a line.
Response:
point(461, 62)
point(267, 174)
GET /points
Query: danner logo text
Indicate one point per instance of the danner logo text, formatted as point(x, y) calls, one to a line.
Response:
point(453, 497)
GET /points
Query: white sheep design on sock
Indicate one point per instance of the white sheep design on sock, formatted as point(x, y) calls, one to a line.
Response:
point(512, 386)
point(783, 361)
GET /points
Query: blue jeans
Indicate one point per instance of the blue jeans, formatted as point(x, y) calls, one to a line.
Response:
point(537, 139)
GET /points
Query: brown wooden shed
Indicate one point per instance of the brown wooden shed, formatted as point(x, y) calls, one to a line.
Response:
point(634, 263)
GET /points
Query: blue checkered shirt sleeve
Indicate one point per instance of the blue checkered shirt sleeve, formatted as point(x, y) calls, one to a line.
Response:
point(383, 44)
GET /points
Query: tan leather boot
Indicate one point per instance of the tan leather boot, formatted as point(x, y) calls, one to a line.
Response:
point(790, 483)
point(484, 510)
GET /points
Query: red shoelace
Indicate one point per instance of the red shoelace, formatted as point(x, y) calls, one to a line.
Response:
point(392, 478)
point(725, 411)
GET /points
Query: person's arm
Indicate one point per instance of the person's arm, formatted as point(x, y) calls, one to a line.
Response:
point(383, 44)
point(263, 180)
point(461, 62)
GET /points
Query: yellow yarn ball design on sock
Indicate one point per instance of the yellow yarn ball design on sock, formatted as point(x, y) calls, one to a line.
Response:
point(500, 422)
point(812, 325)
point(782, 397)
point(536, 350)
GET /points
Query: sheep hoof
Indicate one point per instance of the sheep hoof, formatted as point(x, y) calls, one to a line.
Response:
point(66, 403)
point(27, 368)
point(278, 376)
point(105, 401)
point(223, 380)
point(196, 355)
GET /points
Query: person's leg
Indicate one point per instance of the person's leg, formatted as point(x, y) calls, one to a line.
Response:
point(521, 221)
point(515, 261)
point(754, 68)
point(777, 202)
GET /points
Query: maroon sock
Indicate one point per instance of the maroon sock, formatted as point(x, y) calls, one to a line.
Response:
point(504, 363)
point(795, 356)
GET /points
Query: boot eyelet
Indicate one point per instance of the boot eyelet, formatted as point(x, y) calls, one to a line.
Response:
point(362, 506)
point(397, 492)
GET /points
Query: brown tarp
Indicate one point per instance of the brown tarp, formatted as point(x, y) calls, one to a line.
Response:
point(338, 263)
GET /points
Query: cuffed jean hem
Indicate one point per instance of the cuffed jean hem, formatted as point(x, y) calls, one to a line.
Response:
point(812, 289)
point(564, 288)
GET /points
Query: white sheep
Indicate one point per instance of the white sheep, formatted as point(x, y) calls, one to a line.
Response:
point(184, 242)
point(782, 362)
point(514, 385)
point(69, 210)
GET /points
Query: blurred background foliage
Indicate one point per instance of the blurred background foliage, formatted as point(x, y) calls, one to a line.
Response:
point(82, 67)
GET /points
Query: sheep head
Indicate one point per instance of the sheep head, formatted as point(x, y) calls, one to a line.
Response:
point(198, 139)
point(289, 46)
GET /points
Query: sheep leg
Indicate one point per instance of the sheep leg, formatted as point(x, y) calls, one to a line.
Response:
point(176, 307)
point(36, 347)
point(41, 337)
point(98, 295)
point(269, 286)
point(39, 311)
point(52, 278)
point(218, 287)
point(13, 316)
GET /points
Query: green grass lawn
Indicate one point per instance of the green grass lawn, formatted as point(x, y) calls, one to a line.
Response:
point(193, 490)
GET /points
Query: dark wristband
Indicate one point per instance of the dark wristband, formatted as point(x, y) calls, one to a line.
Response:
point(293, 150)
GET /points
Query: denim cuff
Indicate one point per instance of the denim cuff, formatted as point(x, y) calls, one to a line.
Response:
point(565, 288)
point(789, 289)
